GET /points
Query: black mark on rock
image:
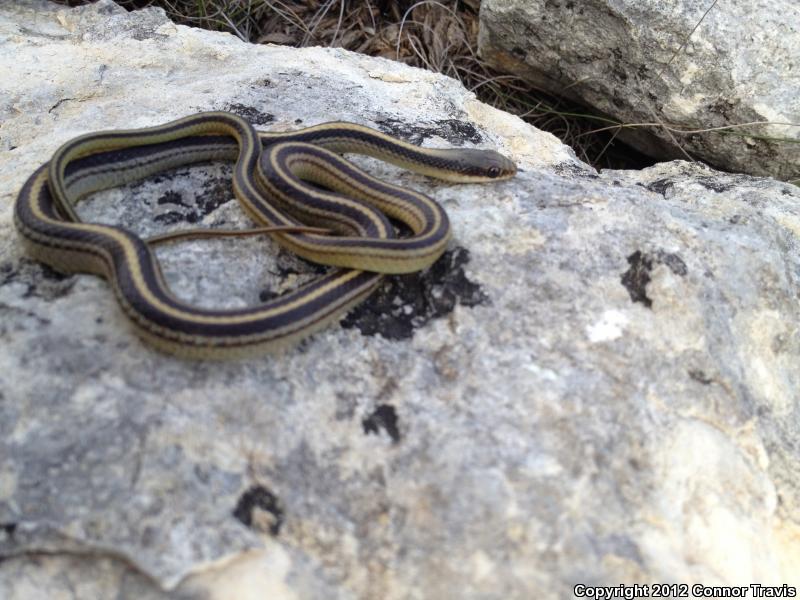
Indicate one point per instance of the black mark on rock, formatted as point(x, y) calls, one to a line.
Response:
point(259, 508)
point(454, 131)
point(59, 103)
point(718, 184)
point(714, 186)
point(700, 377)
point(255, 116)
point(215, 192)
point(673, 261)
point(457, 132)
point(571, 168)
point(40, 280)
point(291, 264)
point(404, 303)
point(660, 186)
point(287, 265)
point(172, 217)
point(171, 197)
point(185, 212)
point(383, 417)
point(636, 278)
point(724, 108)
point(8, 529)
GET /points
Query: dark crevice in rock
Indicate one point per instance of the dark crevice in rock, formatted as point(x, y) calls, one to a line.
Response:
point(636, 278)
point(257, 504)
point(383, 417)
point(255, 116)
point(404, 303)
point(454, 131)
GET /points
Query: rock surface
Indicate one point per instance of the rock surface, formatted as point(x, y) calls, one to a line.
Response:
point(625, 59)
point(597, 384)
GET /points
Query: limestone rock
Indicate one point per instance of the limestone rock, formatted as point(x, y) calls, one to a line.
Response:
point(625, 58)
point(598, 383)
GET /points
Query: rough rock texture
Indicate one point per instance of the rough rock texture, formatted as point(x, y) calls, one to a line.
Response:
point(598, 383)
point(742, 64)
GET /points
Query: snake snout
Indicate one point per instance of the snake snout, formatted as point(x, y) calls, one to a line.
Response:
point(484, 165)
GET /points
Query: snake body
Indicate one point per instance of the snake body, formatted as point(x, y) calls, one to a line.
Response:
point(271, 181)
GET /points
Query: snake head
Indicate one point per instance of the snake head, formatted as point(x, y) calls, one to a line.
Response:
point(472, 165)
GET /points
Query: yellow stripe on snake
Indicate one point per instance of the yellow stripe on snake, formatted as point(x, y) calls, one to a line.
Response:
point(271, 181)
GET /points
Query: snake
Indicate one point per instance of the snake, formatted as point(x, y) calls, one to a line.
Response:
point(295, 185)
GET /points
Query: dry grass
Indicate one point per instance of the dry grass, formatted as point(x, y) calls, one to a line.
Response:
point(439, 35)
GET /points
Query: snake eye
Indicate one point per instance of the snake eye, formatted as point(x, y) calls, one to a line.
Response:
point(493, 172)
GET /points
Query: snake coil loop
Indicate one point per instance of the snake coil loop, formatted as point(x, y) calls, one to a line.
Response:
point(270, 181)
